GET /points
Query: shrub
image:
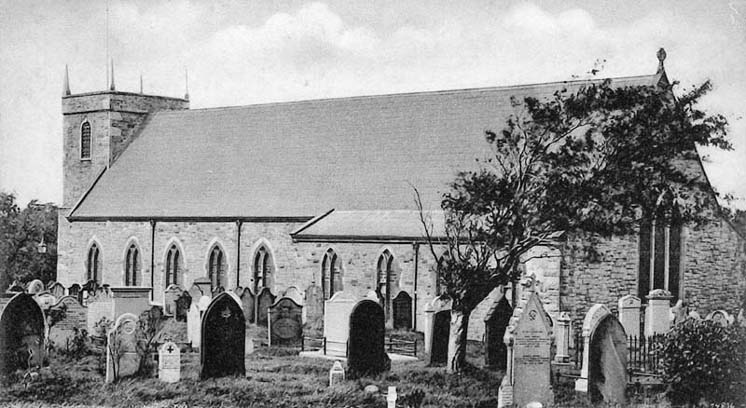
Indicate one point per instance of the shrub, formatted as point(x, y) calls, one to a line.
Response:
point(703, 360)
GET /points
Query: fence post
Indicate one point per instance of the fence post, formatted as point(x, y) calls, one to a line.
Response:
point(324, 345)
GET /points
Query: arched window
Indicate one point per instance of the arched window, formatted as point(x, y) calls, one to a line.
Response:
point(173, 266)
point(131, 266)
point(93, 264)
point(85, 141)
point(331, 274)
point(660, 253)
point(384, 278)
point(217, 268)
point(263, 269)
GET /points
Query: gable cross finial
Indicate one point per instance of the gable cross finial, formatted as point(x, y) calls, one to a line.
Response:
point(66, 83)
point(661, 54)
point(186, 84)
point(112, 87)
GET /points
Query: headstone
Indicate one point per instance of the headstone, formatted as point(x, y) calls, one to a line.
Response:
point(433, 315)
point(16, 287)
point(35, 286)
point(391, 397)
point(720, 317)
point(130, 299)
point(183, 303)
point(607, 374)
point(169, 362)
point(170, 295)
point(678, 312)
point(314, 305)
point(99, 306)
point(194, 325)
point(495, 323)
point(336, 374)
point(45, 299)
point(529, 337)
point(295, 294)
point(21, 333)
point(366, 354)
point(265, 299)
point(248, 300)
point(122, 359)
point(693, 314)
point(629, 314)
point(402, 305)
point(238, 291)
point(218, 291)
point(73, 316)
point(223, 338)
point(658, 312)
point(57, 290)
point(74, 290)
point(604, 371)
point(204, 285)
point(337, 312)
point(562, 339)
point(373, 295)
point(285, 323)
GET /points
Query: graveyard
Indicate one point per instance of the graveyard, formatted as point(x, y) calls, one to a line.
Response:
point(70, 351)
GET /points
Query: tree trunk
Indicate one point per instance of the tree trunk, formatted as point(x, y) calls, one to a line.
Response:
point(457, 340)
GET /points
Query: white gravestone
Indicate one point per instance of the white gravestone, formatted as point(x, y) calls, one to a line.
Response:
point(658, 312)
point(562, 339)
point(529, 340)
point(629, 314)
point(169, 362)
point(336, 374)
point(337, 322)
point(122, 359)
point(194, 325)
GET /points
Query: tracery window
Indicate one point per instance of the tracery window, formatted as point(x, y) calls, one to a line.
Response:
point(93, 264)
point(217, 268)
point(331, 274)
point(263, 269)
point(173, 265)
point(131, 266)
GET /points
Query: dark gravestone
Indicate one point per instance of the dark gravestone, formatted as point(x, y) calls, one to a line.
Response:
point(285, 322)
point(315, 305)
point(495, 322)
point(183, 303)
point(265, 299)
point(65, 318)
point(171, 294)
point(57, 290)
point(402, 305)
point(607, 374)
point(223, 338)
point(248, 300)
point(21, 333)
point(74, 290)
point(16, 288)
point(366, 354)
point(218, 291)
point(441, 331)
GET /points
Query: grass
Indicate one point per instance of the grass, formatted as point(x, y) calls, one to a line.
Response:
point(274, 378)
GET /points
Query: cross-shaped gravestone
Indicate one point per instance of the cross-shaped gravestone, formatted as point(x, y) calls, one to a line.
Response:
point(169, 362)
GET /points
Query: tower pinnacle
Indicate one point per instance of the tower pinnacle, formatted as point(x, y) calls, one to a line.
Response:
point(186, 84)
point(66, 83)
point(112, 87)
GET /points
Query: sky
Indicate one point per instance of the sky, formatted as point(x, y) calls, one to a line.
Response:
point(246, 52)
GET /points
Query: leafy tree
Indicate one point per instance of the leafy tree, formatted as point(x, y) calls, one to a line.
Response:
point(598, 160)
point(21, 231)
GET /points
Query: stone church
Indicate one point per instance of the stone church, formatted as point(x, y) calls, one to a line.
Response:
point(286, 194)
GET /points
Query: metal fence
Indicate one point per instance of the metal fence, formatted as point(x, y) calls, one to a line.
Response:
point(392, 345)
point(643, 354)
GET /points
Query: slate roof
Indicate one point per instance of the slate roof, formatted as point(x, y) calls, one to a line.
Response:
point(379, 225)
point(301, 159)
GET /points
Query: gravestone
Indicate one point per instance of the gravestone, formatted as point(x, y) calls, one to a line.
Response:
point(441, 333)
point(35, 286)
point(57, 290)
point(336, 374)
point(223, 338)
point(295, 294)
point(337, 312)
point(366, 354)
point(604, 371)
point(99, 305)
point(607, 374)
point(285, 323)
point(720, 317)
point(248, 300)
point(130, 299)
point(169, 299)
point(265, 299)
point(45, 299)
point(21, 333)
point(529, 339)
point(74, 290)
point(204, 285)
point(122, 359)
point(183, 303)
point(435, 311)
point(562, 339)
point(238, 291)
point(203, 303)
point(678, 312)
point(73, 316)
point(495, 323)
point(658, 312)
point(194, 325)
point(402, 305)
point(169, 362)
point(218, 291)
point(314, 304)
point(629, 314)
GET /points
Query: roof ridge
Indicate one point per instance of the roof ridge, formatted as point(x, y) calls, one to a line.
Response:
point(415, 93)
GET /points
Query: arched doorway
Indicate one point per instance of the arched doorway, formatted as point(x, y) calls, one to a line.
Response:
point(21, 333)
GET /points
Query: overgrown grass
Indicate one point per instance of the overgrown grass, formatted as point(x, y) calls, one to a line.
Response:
point(274, 378)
